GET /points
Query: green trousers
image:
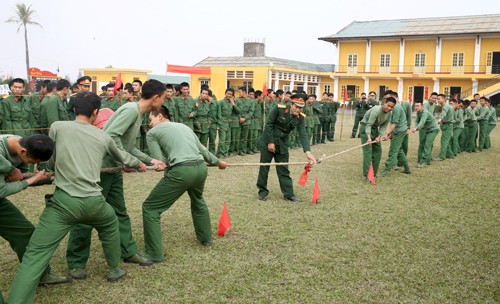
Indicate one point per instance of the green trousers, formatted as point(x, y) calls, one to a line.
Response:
point(310, 132)
point(483, 132)
point(471, 137)
point(244, 137)
point(331, 130)
point(426, 142)
point(254, 142)
point(457, 147)
point(317, 134)
point(446, 141)
point(15, 229)
point(78, 251)
point(224, 139)
point(203, 137)
point(357, 120)
point(396, 154)
point(371, 153)
point(188, 178)
point(212, 136)
point(59, 216)
point(325, 128)
point(286, 184)
point(487, 144)
point(235, 140)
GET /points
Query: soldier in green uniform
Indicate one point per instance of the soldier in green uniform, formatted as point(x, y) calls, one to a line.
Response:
point(15, 154)
point(201, 113)
point(407, 112)
point(214, 118)
point(361, 107)
point(446, 121)
point(42, 117)
point(257, 122)
point(55, 109)
point(458, 126)
point(492, 123)
point(185, 105)
point(372, 126)
point(169, 102)
point(309, 112)
point(83, 85)
point(246, 107)
point(428, 129)
point(110, 101)
point(324, 119)
point(482, 121)
point(269, 103)
point(17, 114)
point(122, 127)
point(396, 131)
point(274, 145)
point(227, 109)
point(317, 112)
point(76, 199)
point(334, 106)
point(430, 105)
point(36, 100)
point(187, 172)
point(470, 127)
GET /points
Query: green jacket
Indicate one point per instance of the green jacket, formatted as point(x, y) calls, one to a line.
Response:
point(361, 108)
point(247, 107)
point(317, 111)
point(17, 115)
point(257, 115)
point(308, 111)
point(56, 109)
point(459, 119)
point(201, 114)
point(172, 109)
point(426, 121)
point(112, 103)
point(214, 114)
point(185, 106)
point(35, 109)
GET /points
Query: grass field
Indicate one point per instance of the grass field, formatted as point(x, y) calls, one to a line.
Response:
point(429, 237)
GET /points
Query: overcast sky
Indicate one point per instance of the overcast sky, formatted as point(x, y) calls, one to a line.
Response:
point(146, 34)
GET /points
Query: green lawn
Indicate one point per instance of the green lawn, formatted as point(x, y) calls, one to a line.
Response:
point(430, 237)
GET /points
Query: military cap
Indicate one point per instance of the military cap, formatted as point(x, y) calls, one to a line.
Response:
point(85, 80)
point(299, 99)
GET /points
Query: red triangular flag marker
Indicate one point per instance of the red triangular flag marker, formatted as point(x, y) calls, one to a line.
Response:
point(371, 174)
point(264, 89)
point(118, 83)
point(224, 222)
point(303, 176)
point(316, 193)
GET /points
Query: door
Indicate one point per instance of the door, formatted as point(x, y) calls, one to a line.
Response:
point(495, 63)
point(381, 91)
point(454, 91)
point(418, 93)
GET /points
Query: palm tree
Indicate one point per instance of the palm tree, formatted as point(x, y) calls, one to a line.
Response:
point(24, 16)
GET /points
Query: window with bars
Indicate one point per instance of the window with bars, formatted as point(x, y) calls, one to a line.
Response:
point(489, 56)
point(446, 91)
point(420, 59)
point(203, 82)
point(385, 60)
point(458, 59)
point(247, 84)
point(239, 74)
point(327, 88)
point(352, 60)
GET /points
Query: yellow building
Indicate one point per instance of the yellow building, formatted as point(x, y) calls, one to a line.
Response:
point(254, 69)
point(103, 76)
point(415, 57)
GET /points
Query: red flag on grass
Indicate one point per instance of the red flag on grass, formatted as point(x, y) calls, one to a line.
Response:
point(264, 89)
point(118, 83)
point(224, 222)
point(316, 193)
point(303, 176)
point(371, 174)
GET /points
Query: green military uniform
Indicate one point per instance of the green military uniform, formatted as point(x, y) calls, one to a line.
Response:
point(36, 101)
point(309, 112)
point(179, 147)
point(361, 109)
point(492, 123)
point(172, 108)
point(214, 118)
point(56, 109)
point(317, 112)
point(201, 113)
point(470, 129)
point(482, 121)
point(407, 107)
point(396, 154)
point(122, 127)
point(458, 128)
point(332, 112)
point(185, 106)
point(447, 120)
point(373, 124)
point(257, 123)
point(227, 110)
point(325, 120)
point(269, 104)
point(246, 107)
point(77, 199)
point(234, 125)
point(112, 103)
point(17, 115)
point(428, 129)
point(279, 124)
point(71, 106)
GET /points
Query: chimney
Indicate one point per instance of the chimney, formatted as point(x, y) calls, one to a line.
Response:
point(254, 49)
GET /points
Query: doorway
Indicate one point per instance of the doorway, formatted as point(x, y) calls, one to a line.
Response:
point(418, 93)
point(495, 63)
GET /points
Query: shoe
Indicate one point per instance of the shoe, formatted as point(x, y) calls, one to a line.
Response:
point(384, 173)
point(438, 159)
point(138, 259)
point(396, 168)
point(52, 279)
point(262, 198)
point(241, 153)
point(255, 151)
point(352, 136)
point(421, 165)
point(250, 152)
point(407, 170)
point(293, 199)
point(206, 243)
point(115, 274)
point(78, 273)
point(154, 260)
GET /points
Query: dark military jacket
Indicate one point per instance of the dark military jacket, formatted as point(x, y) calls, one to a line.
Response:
point(279, 124)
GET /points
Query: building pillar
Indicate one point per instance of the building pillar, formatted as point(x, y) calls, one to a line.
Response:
point(437, 63)
point(366, 88)
point(337, 54)
point(475, 86)
point(277, 81)
point(368, 53)
point(292, 82)
point(401, 67)
point(336, 86)
point(436, 86)
point(400, 88)
point(477, 54)
point(305, 87)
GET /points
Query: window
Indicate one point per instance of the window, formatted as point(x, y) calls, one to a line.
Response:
point(203, 82)
point(352, 60)
point(385, 60)
point(311, 90)
point(458, 59)
point(419, 60)
point(327, 88)
point(239, 74)
point(247, 84)
point(446, 91)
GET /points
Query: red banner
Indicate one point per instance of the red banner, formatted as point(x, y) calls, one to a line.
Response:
point(426, 93)
point(187, 69)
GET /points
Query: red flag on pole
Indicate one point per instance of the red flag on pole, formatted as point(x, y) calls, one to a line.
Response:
point(410, 97)
point(303, 176)
point(224, 222)
point(371, 174)
point(264, 89)
point(346, 97)
point(316, 193)
point(456, 96)
point(118, 83)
